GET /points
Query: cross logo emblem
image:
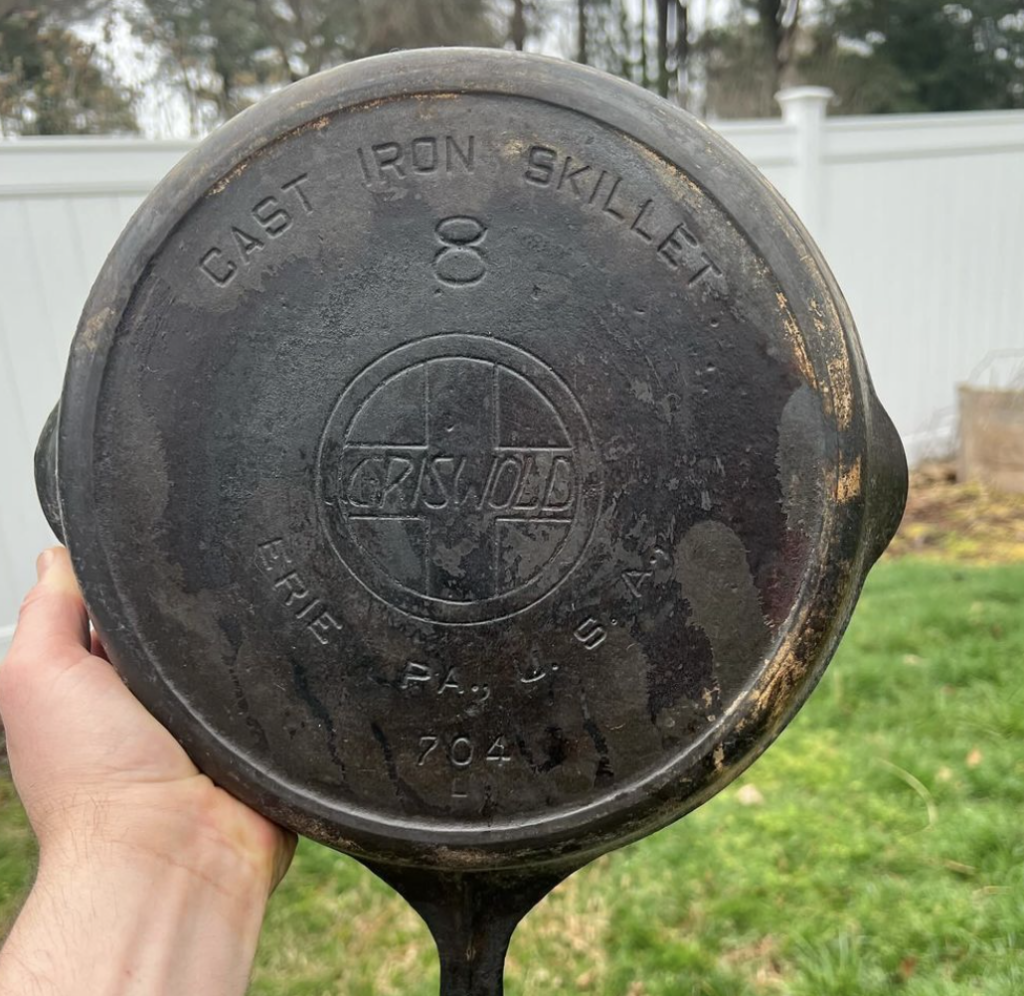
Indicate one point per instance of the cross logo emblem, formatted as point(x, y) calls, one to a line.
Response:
point(459, 478)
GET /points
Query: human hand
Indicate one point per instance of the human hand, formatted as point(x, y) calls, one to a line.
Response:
point(119, 808)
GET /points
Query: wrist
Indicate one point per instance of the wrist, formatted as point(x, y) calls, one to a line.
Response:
point(114, 919)
point(191, 826)
point(208, 870)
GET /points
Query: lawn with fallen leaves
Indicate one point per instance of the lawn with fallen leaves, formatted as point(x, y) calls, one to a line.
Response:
point(963, 521)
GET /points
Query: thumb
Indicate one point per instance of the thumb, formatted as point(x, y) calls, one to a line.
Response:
point(50, 638)
point(53, 627)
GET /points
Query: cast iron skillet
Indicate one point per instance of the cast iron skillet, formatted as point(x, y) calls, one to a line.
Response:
point(471, 460)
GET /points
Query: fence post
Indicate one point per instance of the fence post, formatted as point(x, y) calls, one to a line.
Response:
point(803, 107)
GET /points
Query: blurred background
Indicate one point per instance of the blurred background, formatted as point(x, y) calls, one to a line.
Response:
point(879, 847)
point(177, 68)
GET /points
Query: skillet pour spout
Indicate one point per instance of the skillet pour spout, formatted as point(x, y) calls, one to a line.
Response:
point(471, 460)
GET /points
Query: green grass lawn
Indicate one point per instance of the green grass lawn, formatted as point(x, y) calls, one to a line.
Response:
point(877, 848)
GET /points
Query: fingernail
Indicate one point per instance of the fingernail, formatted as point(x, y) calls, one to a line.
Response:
point(43, 563)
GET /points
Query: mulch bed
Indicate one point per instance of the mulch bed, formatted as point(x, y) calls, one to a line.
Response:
point(962, 521)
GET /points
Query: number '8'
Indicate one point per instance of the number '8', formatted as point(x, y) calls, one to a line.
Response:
point(460, 261)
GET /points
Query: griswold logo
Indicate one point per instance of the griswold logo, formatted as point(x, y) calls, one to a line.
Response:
point(459, 478)
point(522, 482)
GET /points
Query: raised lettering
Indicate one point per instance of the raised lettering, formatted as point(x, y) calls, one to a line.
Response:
point(424, 155)
point(322, 625)
point(415, 674)
point(454, 151)
point(542, 165)
point(248, 244)
point(296, 185)
point(388, 156)
point(571, 174)
point(607, 208)
point(226, 270)
point(272, 217)
point(559, 496)
point(671, 247)
point(635, 227)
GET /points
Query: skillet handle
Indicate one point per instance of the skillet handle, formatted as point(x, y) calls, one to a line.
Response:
point(888, 482)
point(46, 474)
point(472, 916)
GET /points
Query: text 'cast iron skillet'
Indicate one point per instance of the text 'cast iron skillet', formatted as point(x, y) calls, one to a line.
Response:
point(471, 460)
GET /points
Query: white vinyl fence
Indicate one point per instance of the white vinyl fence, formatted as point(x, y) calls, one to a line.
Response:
point(921, 219)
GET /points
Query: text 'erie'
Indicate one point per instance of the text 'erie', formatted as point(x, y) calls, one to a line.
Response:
point(249, 234)
point(674, 242)
point(295, 594)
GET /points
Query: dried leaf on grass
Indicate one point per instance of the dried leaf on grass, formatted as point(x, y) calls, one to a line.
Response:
point(966, 522)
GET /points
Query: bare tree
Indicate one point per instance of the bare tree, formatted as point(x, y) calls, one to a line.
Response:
point(52, 81)
point(779, 20)
point(672, 46)
point(683, 50)
point(581, 31)
point(224, 54)
point(645, 77)
point(517, 25)
point(663, 72)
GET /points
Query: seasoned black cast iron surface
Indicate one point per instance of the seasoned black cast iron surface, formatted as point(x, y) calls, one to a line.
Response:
point(472, 462)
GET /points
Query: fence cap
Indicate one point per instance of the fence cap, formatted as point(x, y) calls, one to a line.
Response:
point(793, 97)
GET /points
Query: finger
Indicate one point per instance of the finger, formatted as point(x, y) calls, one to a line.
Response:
point(53, 627)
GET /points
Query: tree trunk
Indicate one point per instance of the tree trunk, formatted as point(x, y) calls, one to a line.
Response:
point(682, 51)
point(769, 13)
point(645, 76)
point(785, 50)
point(517, 28)
point(663, 47)
point(271, 24)
point(779, 21)
point(581, 31)
point(626, 48)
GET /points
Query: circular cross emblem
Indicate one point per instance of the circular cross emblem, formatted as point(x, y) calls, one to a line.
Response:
point(459, 479)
